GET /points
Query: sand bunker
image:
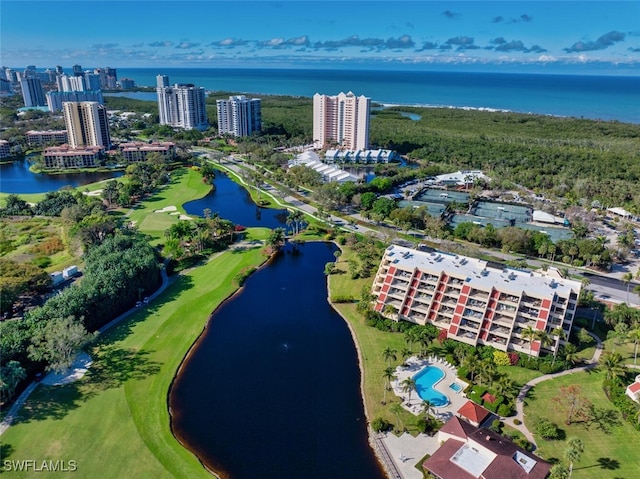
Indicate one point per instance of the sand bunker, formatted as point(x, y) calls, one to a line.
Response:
point(166, 209)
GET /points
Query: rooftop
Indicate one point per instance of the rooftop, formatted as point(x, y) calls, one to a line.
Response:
point(479, 274)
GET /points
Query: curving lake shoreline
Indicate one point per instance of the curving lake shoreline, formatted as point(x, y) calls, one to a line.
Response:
point(273, 385)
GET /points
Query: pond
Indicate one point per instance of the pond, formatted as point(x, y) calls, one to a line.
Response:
point(15, 177)
point(231, 201)
point(272, 387)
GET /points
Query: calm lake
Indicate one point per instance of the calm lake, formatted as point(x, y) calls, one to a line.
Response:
point(231, 201)
point(272, 387)
point(15, 177)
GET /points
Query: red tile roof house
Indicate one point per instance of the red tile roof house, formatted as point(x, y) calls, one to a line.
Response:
point(633, 390)
point(473, 413)
point(477, 453)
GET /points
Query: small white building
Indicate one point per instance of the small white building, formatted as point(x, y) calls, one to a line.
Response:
point(633, 390)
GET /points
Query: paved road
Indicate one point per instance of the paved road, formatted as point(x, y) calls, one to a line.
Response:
point(19, 402)
point(607, 287)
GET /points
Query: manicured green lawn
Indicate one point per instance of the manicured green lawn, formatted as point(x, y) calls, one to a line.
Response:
point(371, 342)
point(519, 375)
point(614, 455)
point(186, 185)
point(626, 349)
point(114, 422)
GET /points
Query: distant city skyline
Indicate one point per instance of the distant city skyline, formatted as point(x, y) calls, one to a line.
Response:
point(574, 35)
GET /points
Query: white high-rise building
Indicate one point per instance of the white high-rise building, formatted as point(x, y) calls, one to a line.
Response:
point(87, 124)
point(239, 115)
point(181, 105)
point(70, 83)
point(341, 121)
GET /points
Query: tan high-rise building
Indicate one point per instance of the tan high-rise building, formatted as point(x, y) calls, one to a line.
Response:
point(87, 124)
point(341, 121)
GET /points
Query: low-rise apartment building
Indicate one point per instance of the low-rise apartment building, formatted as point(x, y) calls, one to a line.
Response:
point(138, 151)
point(474, 301)
point(63, 157)
point(46, 137)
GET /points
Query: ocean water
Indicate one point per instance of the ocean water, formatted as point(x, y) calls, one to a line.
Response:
point(582, 96)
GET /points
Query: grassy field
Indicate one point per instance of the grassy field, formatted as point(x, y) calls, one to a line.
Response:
point(186, 185)
point(613, 455)
point(114, 422)
point(371, 343)
point(626, 349)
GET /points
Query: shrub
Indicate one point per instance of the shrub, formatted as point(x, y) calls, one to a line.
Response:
point(501, 358)
point(342, 298)
point(546, 428)
point(505, 410)
point(242, 276)
point(41, 261)
point(514, 358)
point(517, 422)
point(546, 367)
point(496, 426)
point(380, 425)
point(463, 373)
point(524, 444)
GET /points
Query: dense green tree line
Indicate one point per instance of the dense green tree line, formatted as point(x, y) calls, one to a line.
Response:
point(118, 272)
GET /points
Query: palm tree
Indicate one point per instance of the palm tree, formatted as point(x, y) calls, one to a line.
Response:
point(626, 279)
point(574, 451)
point(389, 354)
point(397, 410)
point(506, 387)
point(488, 372)
point(474, 367)
point(389, 375)
point(612, 364)
point(544, 338)
point(408, 385)
point(634, 335)
point(530, 334)
point(405, 354)
point(427, 408)
point(410, 337)
point(559, 334)
point(570, 353)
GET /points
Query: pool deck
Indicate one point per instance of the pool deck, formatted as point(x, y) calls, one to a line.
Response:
point(414, 366)
point(406, 450)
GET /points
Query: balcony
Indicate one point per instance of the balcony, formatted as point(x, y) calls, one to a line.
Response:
point(509, 298)
point(494, 339)
point(500, 330)
point(477, 294)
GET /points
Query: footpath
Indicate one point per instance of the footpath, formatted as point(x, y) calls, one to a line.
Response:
point(590, 364)
point(54, 378)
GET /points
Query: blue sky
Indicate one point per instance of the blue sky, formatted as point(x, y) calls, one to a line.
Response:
point(599, 35)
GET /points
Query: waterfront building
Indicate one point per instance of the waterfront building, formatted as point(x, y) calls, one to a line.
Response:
point(633, 390)
point(139, 151)
point(70, 83)
point(77, 70)
point(310, 159)
point(46, 137)
point(55, 99)
point(475, 301)
point(360, 156)
point(87, 124)
point(127, 84)
point(181, 106)
point(469, 452)
point(64, 157)
point(32, 92)
point(239, 115)
point(5, 149)
point(341, 121)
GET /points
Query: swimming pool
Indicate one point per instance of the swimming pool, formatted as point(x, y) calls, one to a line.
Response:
point(425, 380)
point(456, 387)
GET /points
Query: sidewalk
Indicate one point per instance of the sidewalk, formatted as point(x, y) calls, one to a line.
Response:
point(591, 364)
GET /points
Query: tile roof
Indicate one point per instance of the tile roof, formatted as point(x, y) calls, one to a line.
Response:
point(474, 412)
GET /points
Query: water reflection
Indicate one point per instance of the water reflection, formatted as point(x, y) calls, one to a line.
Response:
point(271, 389)
point(15, 177)
point(231, 201)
